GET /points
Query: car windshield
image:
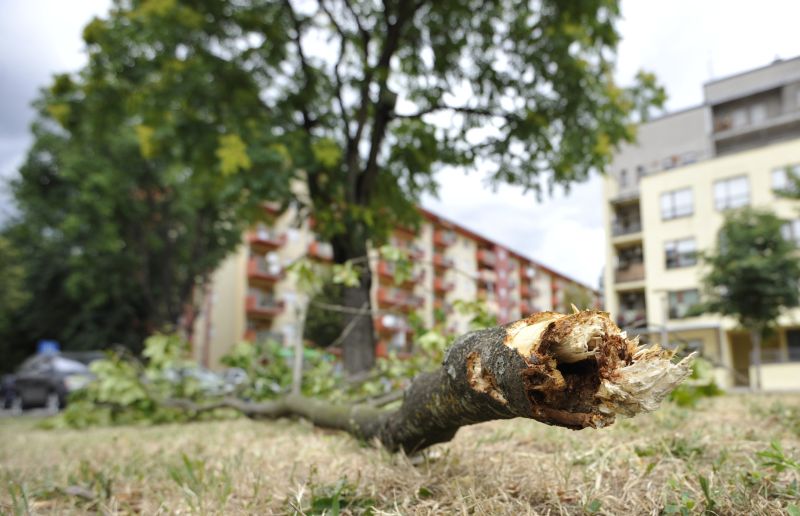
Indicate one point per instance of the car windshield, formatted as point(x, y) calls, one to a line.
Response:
point(65, 365)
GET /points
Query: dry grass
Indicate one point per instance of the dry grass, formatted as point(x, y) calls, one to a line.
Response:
point(652, 464)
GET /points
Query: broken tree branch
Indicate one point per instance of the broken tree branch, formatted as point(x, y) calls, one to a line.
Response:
point(575, 371)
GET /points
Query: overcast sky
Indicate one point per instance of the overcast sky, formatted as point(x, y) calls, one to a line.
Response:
point(684, 42)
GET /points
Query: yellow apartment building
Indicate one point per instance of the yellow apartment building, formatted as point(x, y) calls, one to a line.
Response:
point(665, 198)
point(251, 297)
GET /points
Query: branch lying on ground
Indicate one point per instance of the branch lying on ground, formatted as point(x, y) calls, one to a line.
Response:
point(576, 371)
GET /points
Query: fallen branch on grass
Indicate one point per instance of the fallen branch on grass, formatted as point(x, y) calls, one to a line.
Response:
point(576, 371)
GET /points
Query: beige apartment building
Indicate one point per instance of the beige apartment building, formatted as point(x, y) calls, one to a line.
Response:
point(665, 198)
point(251, 296)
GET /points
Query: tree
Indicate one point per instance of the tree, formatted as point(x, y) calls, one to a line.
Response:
point(364, 101)
point(130, 197)
point(576, 371)
point(575, 295)
point(753, 274)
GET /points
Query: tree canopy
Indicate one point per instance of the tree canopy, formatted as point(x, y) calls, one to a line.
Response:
point(149, 162)
point(146, 168)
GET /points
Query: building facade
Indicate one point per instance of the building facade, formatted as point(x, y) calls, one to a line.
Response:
point(251, 296)
point(665, 199)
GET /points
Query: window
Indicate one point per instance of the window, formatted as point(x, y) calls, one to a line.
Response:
point(791, 231)
point(731, 193)
point(677, 203)
point(681, 301)
point(780, 177)
point(640, 172)
point(680, 253)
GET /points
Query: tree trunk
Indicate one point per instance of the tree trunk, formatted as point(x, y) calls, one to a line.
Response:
point(756, 336)
point(574, 371)
point(358, 347)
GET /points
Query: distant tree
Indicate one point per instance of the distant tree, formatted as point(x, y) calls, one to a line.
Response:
point(753, 275)
point(580, 297)
point(146, 168)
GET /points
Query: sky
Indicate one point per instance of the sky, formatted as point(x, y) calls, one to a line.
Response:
point(686, 43)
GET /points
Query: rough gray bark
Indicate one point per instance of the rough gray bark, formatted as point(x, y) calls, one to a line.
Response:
point(576, 371)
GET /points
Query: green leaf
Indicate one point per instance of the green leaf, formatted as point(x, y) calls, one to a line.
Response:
point(232, 154)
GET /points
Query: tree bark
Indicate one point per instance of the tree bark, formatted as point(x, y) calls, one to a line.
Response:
point(358, 348)
point(575, 371)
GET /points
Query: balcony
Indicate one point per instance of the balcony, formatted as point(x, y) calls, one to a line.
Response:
point(272, 207)
point(263, 306)
point(526, 290)
point(444, 238)
point(441, 304)
point(633, 272)
point(320, 251)
point(388, 269)
point(630, 228)
point(261, 335)
point(486, 257)
point(777, 355)
point(264, 239)
point(635, 318)
point(259, 271)
point(398, 298)
point(440, 285)
point(390, 323)
point(441, 261)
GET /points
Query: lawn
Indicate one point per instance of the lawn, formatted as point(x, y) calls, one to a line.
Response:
point(732, 455)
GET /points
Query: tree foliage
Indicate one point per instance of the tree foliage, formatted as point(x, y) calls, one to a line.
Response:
point(754, 273)
point(150, 159)
point(147, 166)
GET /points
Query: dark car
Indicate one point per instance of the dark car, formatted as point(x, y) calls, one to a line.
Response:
point(8, 394)
point(46, 380)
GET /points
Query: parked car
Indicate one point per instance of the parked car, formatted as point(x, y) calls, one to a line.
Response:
point(46, 380)
point(8, 393)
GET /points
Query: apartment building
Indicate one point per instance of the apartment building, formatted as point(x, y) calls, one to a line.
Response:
point(251, 297)
point(665, 198)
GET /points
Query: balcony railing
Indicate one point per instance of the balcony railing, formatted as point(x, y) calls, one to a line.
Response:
point(259, 269)
point(399, 298)
point(392, 323)
point(263, 305)
point(777, 356)
point(528, 291)
point(626, 229)
point(487, 257)
point(442, 261)
point(440, 304)
point(440, 285)
point(632, 319)
point(633, 272)
point(320, 251)
point(265, 239)
point(253, 335)
point(444, 237)
point(388, 269)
